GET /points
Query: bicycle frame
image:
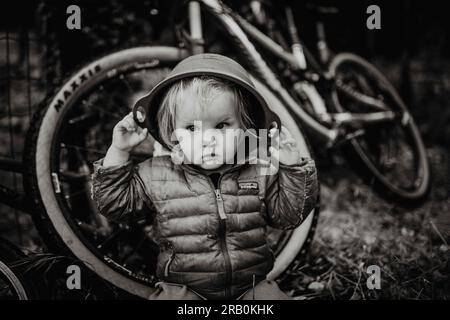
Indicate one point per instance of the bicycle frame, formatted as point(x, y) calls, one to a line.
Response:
point(240, 30)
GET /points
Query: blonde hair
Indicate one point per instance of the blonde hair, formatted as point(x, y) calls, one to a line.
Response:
point(206, 88)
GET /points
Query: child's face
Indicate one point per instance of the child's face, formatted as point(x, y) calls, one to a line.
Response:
point(209, 132)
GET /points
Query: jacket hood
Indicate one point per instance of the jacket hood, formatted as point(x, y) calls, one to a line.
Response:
point(211, 64)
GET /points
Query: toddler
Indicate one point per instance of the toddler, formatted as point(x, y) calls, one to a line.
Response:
point(210, 206)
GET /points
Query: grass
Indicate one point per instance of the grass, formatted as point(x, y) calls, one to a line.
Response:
point(358, 229)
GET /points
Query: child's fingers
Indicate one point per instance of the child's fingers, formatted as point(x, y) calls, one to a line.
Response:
point(285, 132)
point(288, 142)
point(143, 133)
point(273, 132)
point(128, 117)
point(274, 135)
point(274, 154)
point(138, 138)
point(128, 123)
point(122, 123)
point(121, 126)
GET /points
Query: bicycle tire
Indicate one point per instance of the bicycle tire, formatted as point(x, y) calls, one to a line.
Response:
point(410, 195)
point(56, 228)
point(20, 282)
point(13, 284)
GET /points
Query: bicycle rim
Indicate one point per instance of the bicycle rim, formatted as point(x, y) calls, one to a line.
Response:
point(10, 286)
point(14, 283)
point(60, 168)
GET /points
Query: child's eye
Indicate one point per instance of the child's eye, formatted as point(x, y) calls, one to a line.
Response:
point(221, 125)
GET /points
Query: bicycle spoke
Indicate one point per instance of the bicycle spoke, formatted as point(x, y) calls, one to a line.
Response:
point(125, 80)
point(96, 151)
point(111, 237)
point(73, 194)
point(88, 228)
point(101, 109)
point(95, 104)
point(4, 287)
point(67, 176)
point(81, 119)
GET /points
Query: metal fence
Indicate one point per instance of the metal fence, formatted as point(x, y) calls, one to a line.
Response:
point(23, 83)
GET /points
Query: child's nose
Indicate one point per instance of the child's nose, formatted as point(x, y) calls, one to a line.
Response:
point(209, 141)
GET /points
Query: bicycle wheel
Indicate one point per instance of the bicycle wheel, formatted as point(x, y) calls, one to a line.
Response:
point(392, 152)
point(11, 287)
point(15, 283)
point(72, 130)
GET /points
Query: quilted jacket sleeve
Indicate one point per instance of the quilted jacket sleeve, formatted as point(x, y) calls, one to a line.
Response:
point(120, 193)
point(291, 194)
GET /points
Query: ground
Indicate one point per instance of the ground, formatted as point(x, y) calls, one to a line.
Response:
point(357, 229)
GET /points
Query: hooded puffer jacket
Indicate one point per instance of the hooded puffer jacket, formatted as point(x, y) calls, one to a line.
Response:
point(212, 237)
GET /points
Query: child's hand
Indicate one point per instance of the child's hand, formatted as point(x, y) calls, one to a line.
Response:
point(288, 153)
point(127, 134)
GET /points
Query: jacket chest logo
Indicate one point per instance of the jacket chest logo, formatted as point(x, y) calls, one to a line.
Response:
point(248, 185)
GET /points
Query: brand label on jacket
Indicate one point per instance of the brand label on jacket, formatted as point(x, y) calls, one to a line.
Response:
point(248, 185)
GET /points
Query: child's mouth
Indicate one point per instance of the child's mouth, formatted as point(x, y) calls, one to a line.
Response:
point(209, 157)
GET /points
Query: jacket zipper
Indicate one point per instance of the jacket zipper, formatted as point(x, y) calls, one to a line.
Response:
point(222, 236)
point(220, 205)
point(223, 243)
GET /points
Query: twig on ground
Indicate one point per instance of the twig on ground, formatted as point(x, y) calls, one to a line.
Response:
point(438, 232)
